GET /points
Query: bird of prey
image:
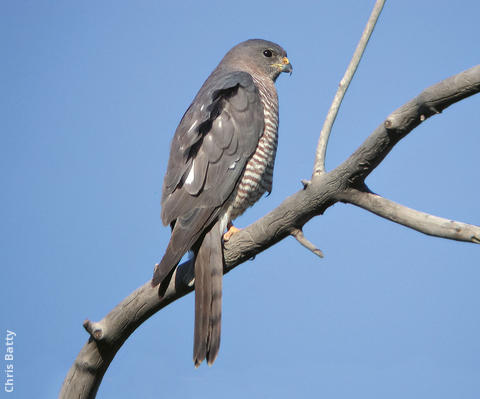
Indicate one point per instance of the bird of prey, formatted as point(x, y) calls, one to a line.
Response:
point(221, 162)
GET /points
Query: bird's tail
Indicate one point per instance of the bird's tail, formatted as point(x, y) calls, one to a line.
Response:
point(208, 297)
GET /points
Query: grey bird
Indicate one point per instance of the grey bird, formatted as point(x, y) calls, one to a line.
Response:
point(221, 162)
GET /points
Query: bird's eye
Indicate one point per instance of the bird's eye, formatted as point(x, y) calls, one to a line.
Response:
point(267, 53)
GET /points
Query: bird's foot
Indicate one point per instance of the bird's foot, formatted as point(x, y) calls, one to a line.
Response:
point(230, 232)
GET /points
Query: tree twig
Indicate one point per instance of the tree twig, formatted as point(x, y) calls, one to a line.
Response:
point(300, 237)
point(420, 221)
point(319, 166)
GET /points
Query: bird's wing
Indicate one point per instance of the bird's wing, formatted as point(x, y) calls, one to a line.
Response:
point(212, 144)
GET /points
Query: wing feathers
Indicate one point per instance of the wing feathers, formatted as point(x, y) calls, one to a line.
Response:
point(187, 230)
point(227, 119)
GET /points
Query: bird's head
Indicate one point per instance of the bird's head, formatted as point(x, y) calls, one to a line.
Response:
point(259, 57)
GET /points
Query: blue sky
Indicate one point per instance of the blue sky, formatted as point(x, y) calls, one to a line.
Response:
point(91, 95)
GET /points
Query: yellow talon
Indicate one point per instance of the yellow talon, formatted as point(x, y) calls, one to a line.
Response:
point(230, 232)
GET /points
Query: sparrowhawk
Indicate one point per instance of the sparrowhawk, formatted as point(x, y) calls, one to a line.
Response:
point(221, 163)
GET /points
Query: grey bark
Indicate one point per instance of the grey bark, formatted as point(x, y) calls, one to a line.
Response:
point(345, 183)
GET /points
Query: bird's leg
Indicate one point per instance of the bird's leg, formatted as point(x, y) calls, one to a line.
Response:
point(230, 232)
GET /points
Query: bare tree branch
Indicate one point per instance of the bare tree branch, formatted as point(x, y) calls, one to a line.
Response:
point(402, 121)
point(319, 166)
point(420, 221)
point(340, 184)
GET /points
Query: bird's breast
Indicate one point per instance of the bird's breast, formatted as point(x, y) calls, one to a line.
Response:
point(257, 176)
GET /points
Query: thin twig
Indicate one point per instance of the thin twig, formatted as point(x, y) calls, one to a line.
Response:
point(319, 166)
point(420, 221)
point(300, 237)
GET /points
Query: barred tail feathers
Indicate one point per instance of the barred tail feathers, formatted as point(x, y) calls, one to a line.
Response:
point(208, 297)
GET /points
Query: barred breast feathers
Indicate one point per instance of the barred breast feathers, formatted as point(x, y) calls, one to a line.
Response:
point(258, 174)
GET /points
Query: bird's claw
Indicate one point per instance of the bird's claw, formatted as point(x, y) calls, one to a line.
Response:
point(230, 232)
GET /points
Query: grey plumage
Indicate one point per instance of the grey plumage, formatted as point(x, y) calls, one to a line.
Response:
point(208, 300)
point(221, 162)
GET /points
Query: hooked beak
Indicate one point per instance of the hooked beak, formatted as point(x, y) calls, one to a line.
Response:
point(286, 66)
